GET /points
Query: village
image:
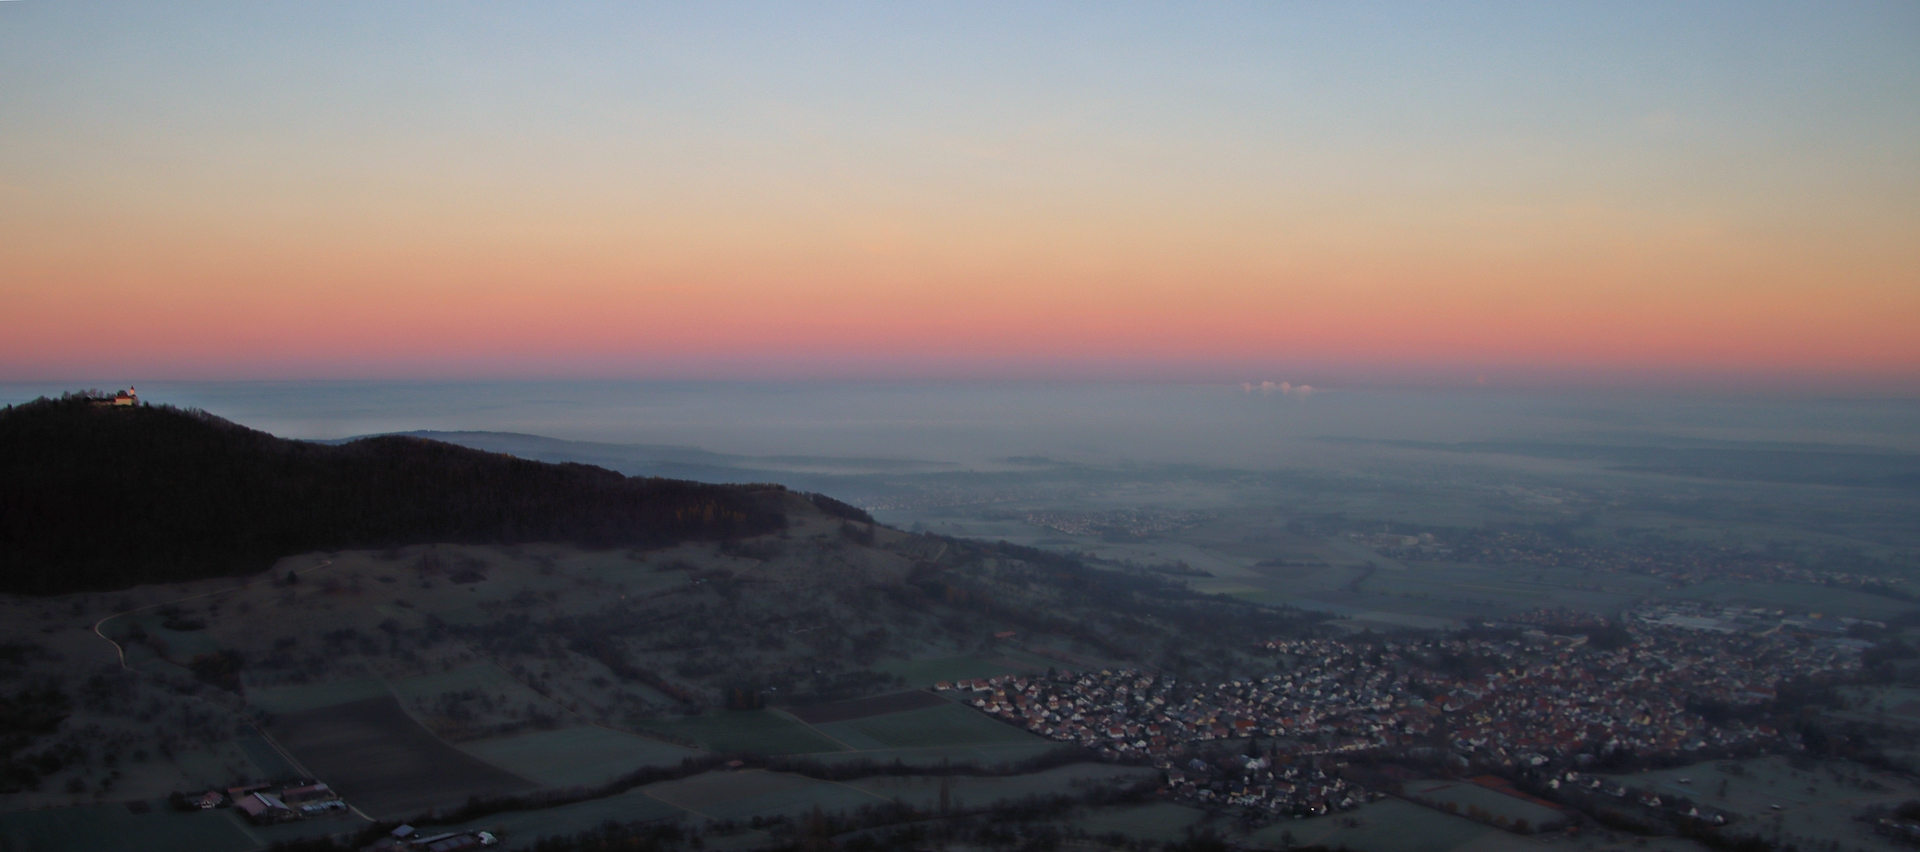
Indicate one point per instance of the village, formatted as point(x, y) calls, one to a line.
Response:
point(1524, 698)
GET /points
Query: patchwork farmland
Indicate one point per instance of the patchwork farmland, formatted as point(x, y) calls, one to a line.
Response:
point(384, 762)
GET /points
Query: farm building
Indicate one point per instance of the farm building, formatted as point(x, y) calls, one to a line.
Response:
point(407, 839)
point(455, 842)
point(264, 807)
point(241, 792)
point(310, 793)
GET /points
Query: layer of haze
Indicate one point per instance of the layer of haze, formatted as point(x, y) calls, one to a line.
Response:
point(1383, 193)
point(982, 424)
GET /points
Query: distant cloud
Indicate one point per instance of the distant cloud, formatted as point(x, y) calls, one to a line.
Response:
point(1282, 388)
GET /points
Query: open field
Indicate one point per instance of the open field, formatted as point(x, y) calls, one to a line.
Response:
point(946, 724)
point(1162, 821)
point(1465, 795)
point(759, 731)
point(1892, 705)
point(1389, 825)
point(381, 760)
point(1816, 804)
point(840, 711)
point(112, 828)
point(1436, 595)
point(581, 755)
point(1510, 585)
point(1376, 610)
point(924, 791)
point(982, 755)
point(485, 677)
point(301, 829)
point(519, 828)
point(269, 760)
point(742, 795)
point(1796, 597)
point(311, 696)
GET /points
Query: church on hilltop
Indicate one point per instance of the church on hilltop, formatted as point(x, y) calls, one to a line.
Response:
point(125, 397)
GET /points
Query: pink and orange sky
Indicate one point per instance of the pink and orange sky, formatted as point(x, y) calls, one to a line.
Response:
point(367, 190)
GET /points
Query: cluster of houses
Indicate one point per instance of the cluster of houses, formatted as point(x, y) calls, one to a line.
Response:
point(1294, 788)
point(1530, 700)
point(1541, 696)
point(1132, 713)
point(270, 803)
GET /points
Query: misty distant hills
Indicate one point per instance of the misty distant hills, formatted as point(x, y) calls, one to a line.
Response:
point(1750, 461)
point(99, 497)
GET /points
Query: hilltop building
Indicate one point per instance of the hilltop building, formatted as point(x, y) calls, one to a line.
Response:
point(125, 397)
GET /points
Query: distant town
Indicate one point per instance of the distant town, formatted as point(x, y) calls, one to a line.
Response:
point(1548, 691)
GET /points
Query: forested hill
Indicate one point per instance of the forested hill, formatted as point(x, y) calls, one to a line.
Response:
point(99, 497)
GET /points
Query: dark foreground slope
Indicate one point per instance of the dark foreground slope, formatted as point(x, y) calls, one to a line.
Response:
point(97, 497)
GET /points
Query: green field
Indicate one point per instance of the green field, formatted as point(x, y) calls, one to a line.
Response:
point(1796, 597)
point(384, 762)
point(311, 696)
point(181, 645)
point(1389, 825)
point(575, 756)
point(522, 828)
point(742, 795)
point(1162, 821)
point(485, 677)
point(924, 791)
point(1464, 795)
point(1427, 594)
point(1817, 804)
point(1755, 786)
point(925, 673)
point(759, 731)
point(946, 725)
point(302, 829)
point(981, 755)
point(269, 760)
point(111, 828)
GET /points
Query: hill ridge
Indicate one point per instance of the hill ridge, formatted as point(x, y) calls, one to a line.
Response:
point(95, 498)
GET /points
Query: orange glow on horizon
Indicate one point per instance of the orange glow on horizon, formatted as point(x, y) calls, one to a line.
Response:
point(1251, 186)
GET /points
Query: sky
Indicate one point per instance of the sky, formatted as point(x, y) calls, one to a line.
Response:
point(1340, 193)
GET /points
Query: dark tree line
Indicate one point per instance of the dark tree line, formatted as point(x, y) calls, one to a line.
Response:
point(97, 497)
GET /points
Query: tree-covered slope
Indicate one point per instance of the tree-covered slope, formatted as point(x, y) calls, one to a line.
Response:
point(99, 497)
